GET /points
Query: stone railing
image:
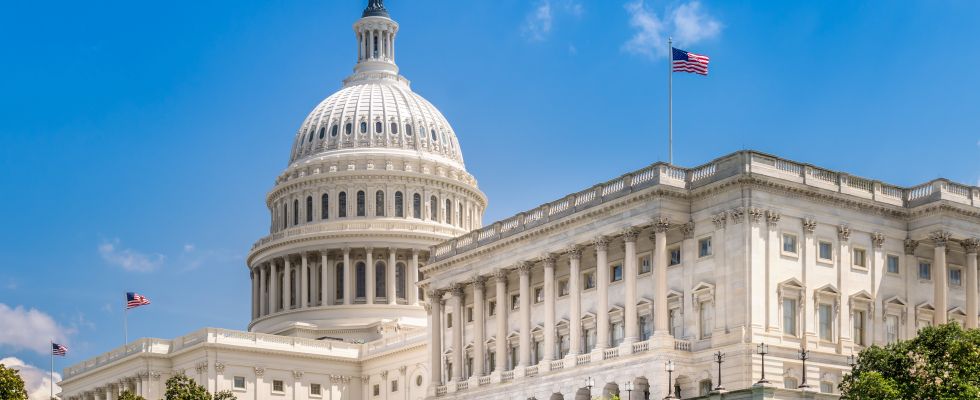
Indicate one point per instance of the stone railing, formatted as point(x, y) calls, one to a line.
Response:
point(226, 337)
point(735, 164)
point(412, 225)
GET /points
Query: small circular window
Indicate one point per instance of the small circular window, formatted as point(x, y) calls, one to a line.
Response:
point(418, 381)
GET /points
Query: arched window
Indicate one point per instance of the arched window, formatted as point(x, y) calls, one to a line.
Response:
point(348, 128)
point(394, 128)
point(285, 216)
point(459, 214)
point(417, 206)
point(408, 129)
point(333, 130)
point(309, 208)
point(360, 203)
point(399, 205)
point(361, 286)
point(342, 205)
point(310, 135)
point(421, 292)
point(434, 137)
point(323, 130)
point(379, 203)
point(295, 212)
point(449, 211)
point(433, 208)
point(363, 127)
point(400, 281)
point(380, 278)
point(339, 281)
point(378, 127)
point(325, 206)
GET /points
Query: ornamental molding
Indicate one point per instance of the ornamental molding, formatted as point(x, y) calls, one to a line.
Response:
point(910, 246)
point(809, 225)
point(523, 267)
point(297, 374)
point(737, 214)
point(940, 238)
point(219, 367)
point(574, 252)
point(843, 232)
point(970, 245)
point(500, 275)
point(456, 289)
point(877, 240)
point(720, 219)
point(630, 234)
point(661, 224)
point(688, 230)
point(755, 214)
point(772, 218)
point(479, 281)
point(601, 243)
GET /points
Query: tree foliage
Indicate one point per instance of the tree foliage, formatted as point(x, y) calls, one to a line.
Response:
point(940, 363)
point(127, 395)
point(11, 385)
point(181, 387)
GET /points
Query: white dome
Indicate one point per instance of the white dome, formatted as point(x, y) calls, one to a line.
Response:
point(349, 121)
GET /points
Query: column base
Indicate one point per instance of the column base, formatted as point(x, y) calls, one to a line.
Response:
point(597, 354)
point(662, 340)
point(626, 348)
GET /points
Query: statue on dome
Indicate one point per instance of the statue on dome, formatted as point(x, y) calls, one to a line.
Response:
point(375, 8)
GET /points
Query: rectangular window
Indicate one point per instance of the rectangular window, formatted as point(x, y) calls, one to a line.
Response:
point(860, 258)
point(955, 277)
point(925, 270)
point(893, 264)
point(826, 387)
point(277, 386)
point(674, 322)
point(705, 319)
point(513, 357)
point(537, 348)
point(616, 273)
point(859, 320)
point(675, 255)
point(789, 317)
point(394, 386)
point(539, 295)
point(891, 329)
point(645, 327)
point(588, 280)
point(449, 320)
point(704, 247)
point(515, 302)
point(239, 382)
point(644, 264)
point(469, 314)
point(563, 287)
point(617, 333)
point(492, 308)
point(564, 344)
point(789, 243)
point(377, 388)
point(491, 361)
point(315, 389)
point(589, 338)
point(826, 322)
point(825, 251)
point(924, 323)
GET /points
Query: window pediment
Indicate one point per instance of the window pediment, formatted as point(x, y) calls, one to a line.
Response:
point(702, 292)
point(861, 300)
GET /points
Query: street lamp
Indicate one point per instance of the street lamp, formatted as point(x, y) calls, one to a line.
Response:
point(719, 358)
point(669, 367)
point(851, 361)
point(763, 349)
point(629, 390)
point(804, 355)
point(589, 383)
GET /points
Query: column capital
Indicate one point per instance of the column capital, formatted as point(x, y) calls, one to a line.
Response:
point(940, 238)
point(346, 251)
point(259, 371)
point(843, 232)
point(434, 294)
point(772, 217)
point(369, 250)
point(970, 245)
point(688, 230)
point(661, 223)
point(479, 281)
point(809, 225)
point(456, 289)
point(392, 250)
point(877, 240)
point(574, 252)
point(737, 214)
point(524, 267)
point(549, 260)
point(500, 275)
point(415, 252)
point(720, 219)
point(910, 246)
point(756, 214)
point(601, 243)
point(630, 234)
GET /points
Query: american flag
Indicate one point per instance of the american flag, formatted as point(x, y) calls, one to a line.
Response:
point(58, 350)
point(134, 300)
point(684, 61)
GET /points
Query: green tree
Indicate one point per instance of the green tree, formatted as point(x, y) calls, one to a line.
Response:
point(181, 387)
point(11, 385)
point(127, 395)
point(940, 363)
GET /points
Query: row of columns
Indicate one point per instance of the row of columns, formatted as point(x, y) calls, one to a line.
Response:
point(113, 391)
point(384, 46)
point(266, 299)
point(524, 269)
point(940, 278)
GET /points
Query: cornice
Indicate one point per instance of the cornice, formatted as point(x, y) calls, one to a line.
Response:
point(262, 252)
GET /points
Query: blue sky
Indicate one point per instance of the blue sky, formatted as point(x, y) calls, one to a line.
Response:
point(139, 139)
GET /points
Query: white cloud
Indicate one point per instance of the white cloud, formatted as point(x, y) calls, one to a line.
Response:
point(188, 248)
point(687, 23)
point(128, 259)
point(29, 329)
point(37, 381)
point(540, 20)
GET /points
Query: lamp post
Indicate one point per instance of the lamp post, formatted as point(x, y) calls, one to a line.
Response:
point(589, 384)
point(804, 355)
point(669, 367)
point(763, 349)
point(629, 390)
point(719, 358)
point(851, 361)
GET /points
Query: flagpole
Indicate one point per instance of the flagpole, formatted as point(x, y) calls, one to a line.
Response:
point(670, 101)
point(125, 326)
point(52, 369)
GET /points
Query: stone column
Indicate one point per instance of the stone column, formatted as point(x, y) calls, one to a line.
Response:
point(549, 307)
point(392, 278)
point(940, 278)
point(629, 272)
point(304, 283)
point(274, 296)
point(809, 254)
point(412, 292)
point(287, 283)
point(457, 291)
point(255, 291)
point(479, 324)
point(660, 268)
point(326, 274)
point(911, 273)
point(348, 278)
point(524, 269)
point(501, 313)
point(575, 300)
point(970, 246)
point(263, 299)
point(602, 292)
point(435, 338)
point(369, 281)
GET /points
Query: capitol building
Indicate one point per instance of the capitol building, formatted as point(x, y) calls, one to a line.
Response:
point(378, 280)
